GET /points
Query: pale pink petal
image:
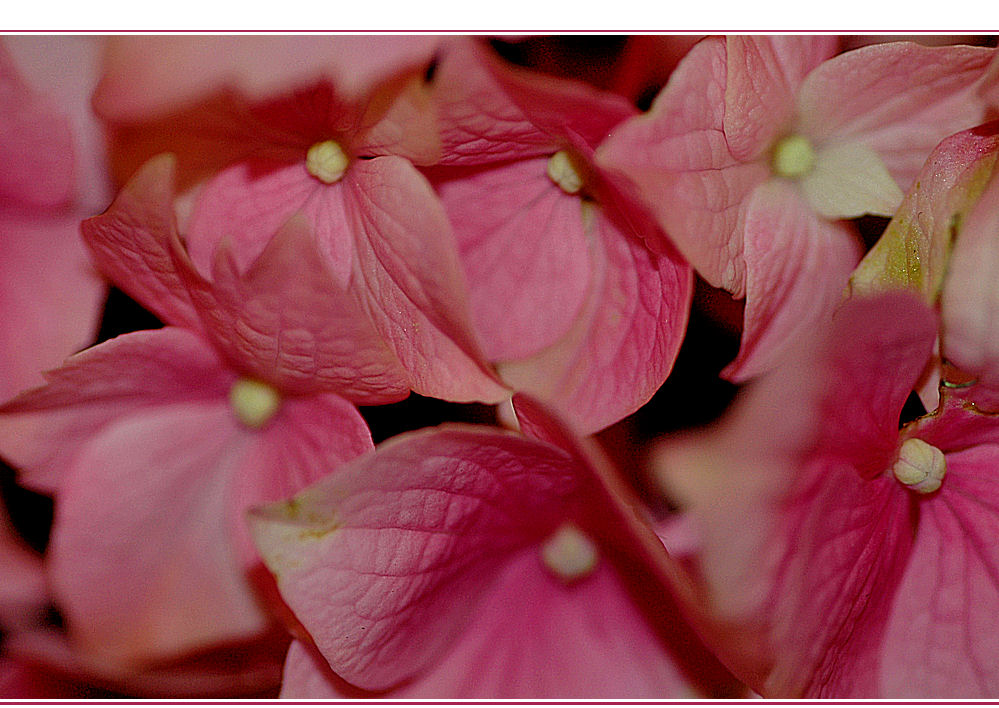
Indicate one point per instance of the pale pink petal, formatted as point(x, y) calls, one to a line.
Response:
point(797, 268)
point(915, 249)
point(36, 153)
point(407, 128)
point(132, 243)
point(970, 299)
point(479, 122)
point(900, 99)
point(142, 561)
point(941, 641)
point(679, 160)
point(287, 322)
point(50, 300)
point(623, 344)
point(117, 378)
point(145, 76)
point(764, 74)
point(526, 254)
point(409, 278)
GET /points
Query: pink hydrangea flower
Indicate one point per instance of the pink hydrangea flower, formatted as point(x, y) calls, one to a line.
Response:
point(855, 555)
point(464, 562)
point(566, 295)
point(52, 295)
point(156, 442)
point(340, 151)
point(759, 147)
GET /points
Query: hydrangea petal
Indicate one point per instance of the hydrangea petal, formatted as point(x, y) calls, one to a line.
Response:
point(764, 73)
point(372, 558)
point(970, 295)
point(522, 242)
point(636, 311)
point(850, 180)
point(797, 269)
point(287, 322)
point(899, 98)
point(132, 241)
point(50, 300)
point(680, 162)
point(410, 280)
point(182, 588)
point(95, 387)
point(940, 641)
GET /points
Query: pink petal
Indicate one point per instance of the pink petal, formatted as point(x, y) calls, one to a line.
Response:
point(588, 641)
point(569, 111)
point(36, 153)
point(679, 160)
point(179, 589)
point(764, 74)
point(479, 122)
point(409, 278)
point(94, 388)
point(132, 243)
point(372, 558)
point(797, 268)
point(145, 76)
point(636, 311)
point(287, 322)
point(801, 535)
point(969, 300)
point(899, 98)
point(523, 243)
point(940, 642)
point(24, 596)
point(51, 297)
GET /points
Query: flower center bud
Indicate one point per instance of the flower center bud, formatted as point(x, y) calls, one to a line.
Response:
point(920, 466)
point(793, 157)
point(569, 554)
point(566, 172)
point(326, 161)
point(254, 402)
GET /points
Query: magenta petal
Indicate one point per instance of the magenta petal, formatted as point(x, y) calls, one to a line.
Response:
point(287, 322)
point(42, 430)
point(372, 558)
point(898, 98)
point(636, 311)
point(797, 269)
point(764, 73)
point(411, 283)
point(680, 161)
point(160, 475)
point(940, 642)
point(523, 243)
point(132, 243)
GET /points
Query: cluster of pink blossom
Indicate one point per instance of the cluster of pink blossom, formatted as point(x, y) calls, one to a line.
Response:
point(325, 225)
